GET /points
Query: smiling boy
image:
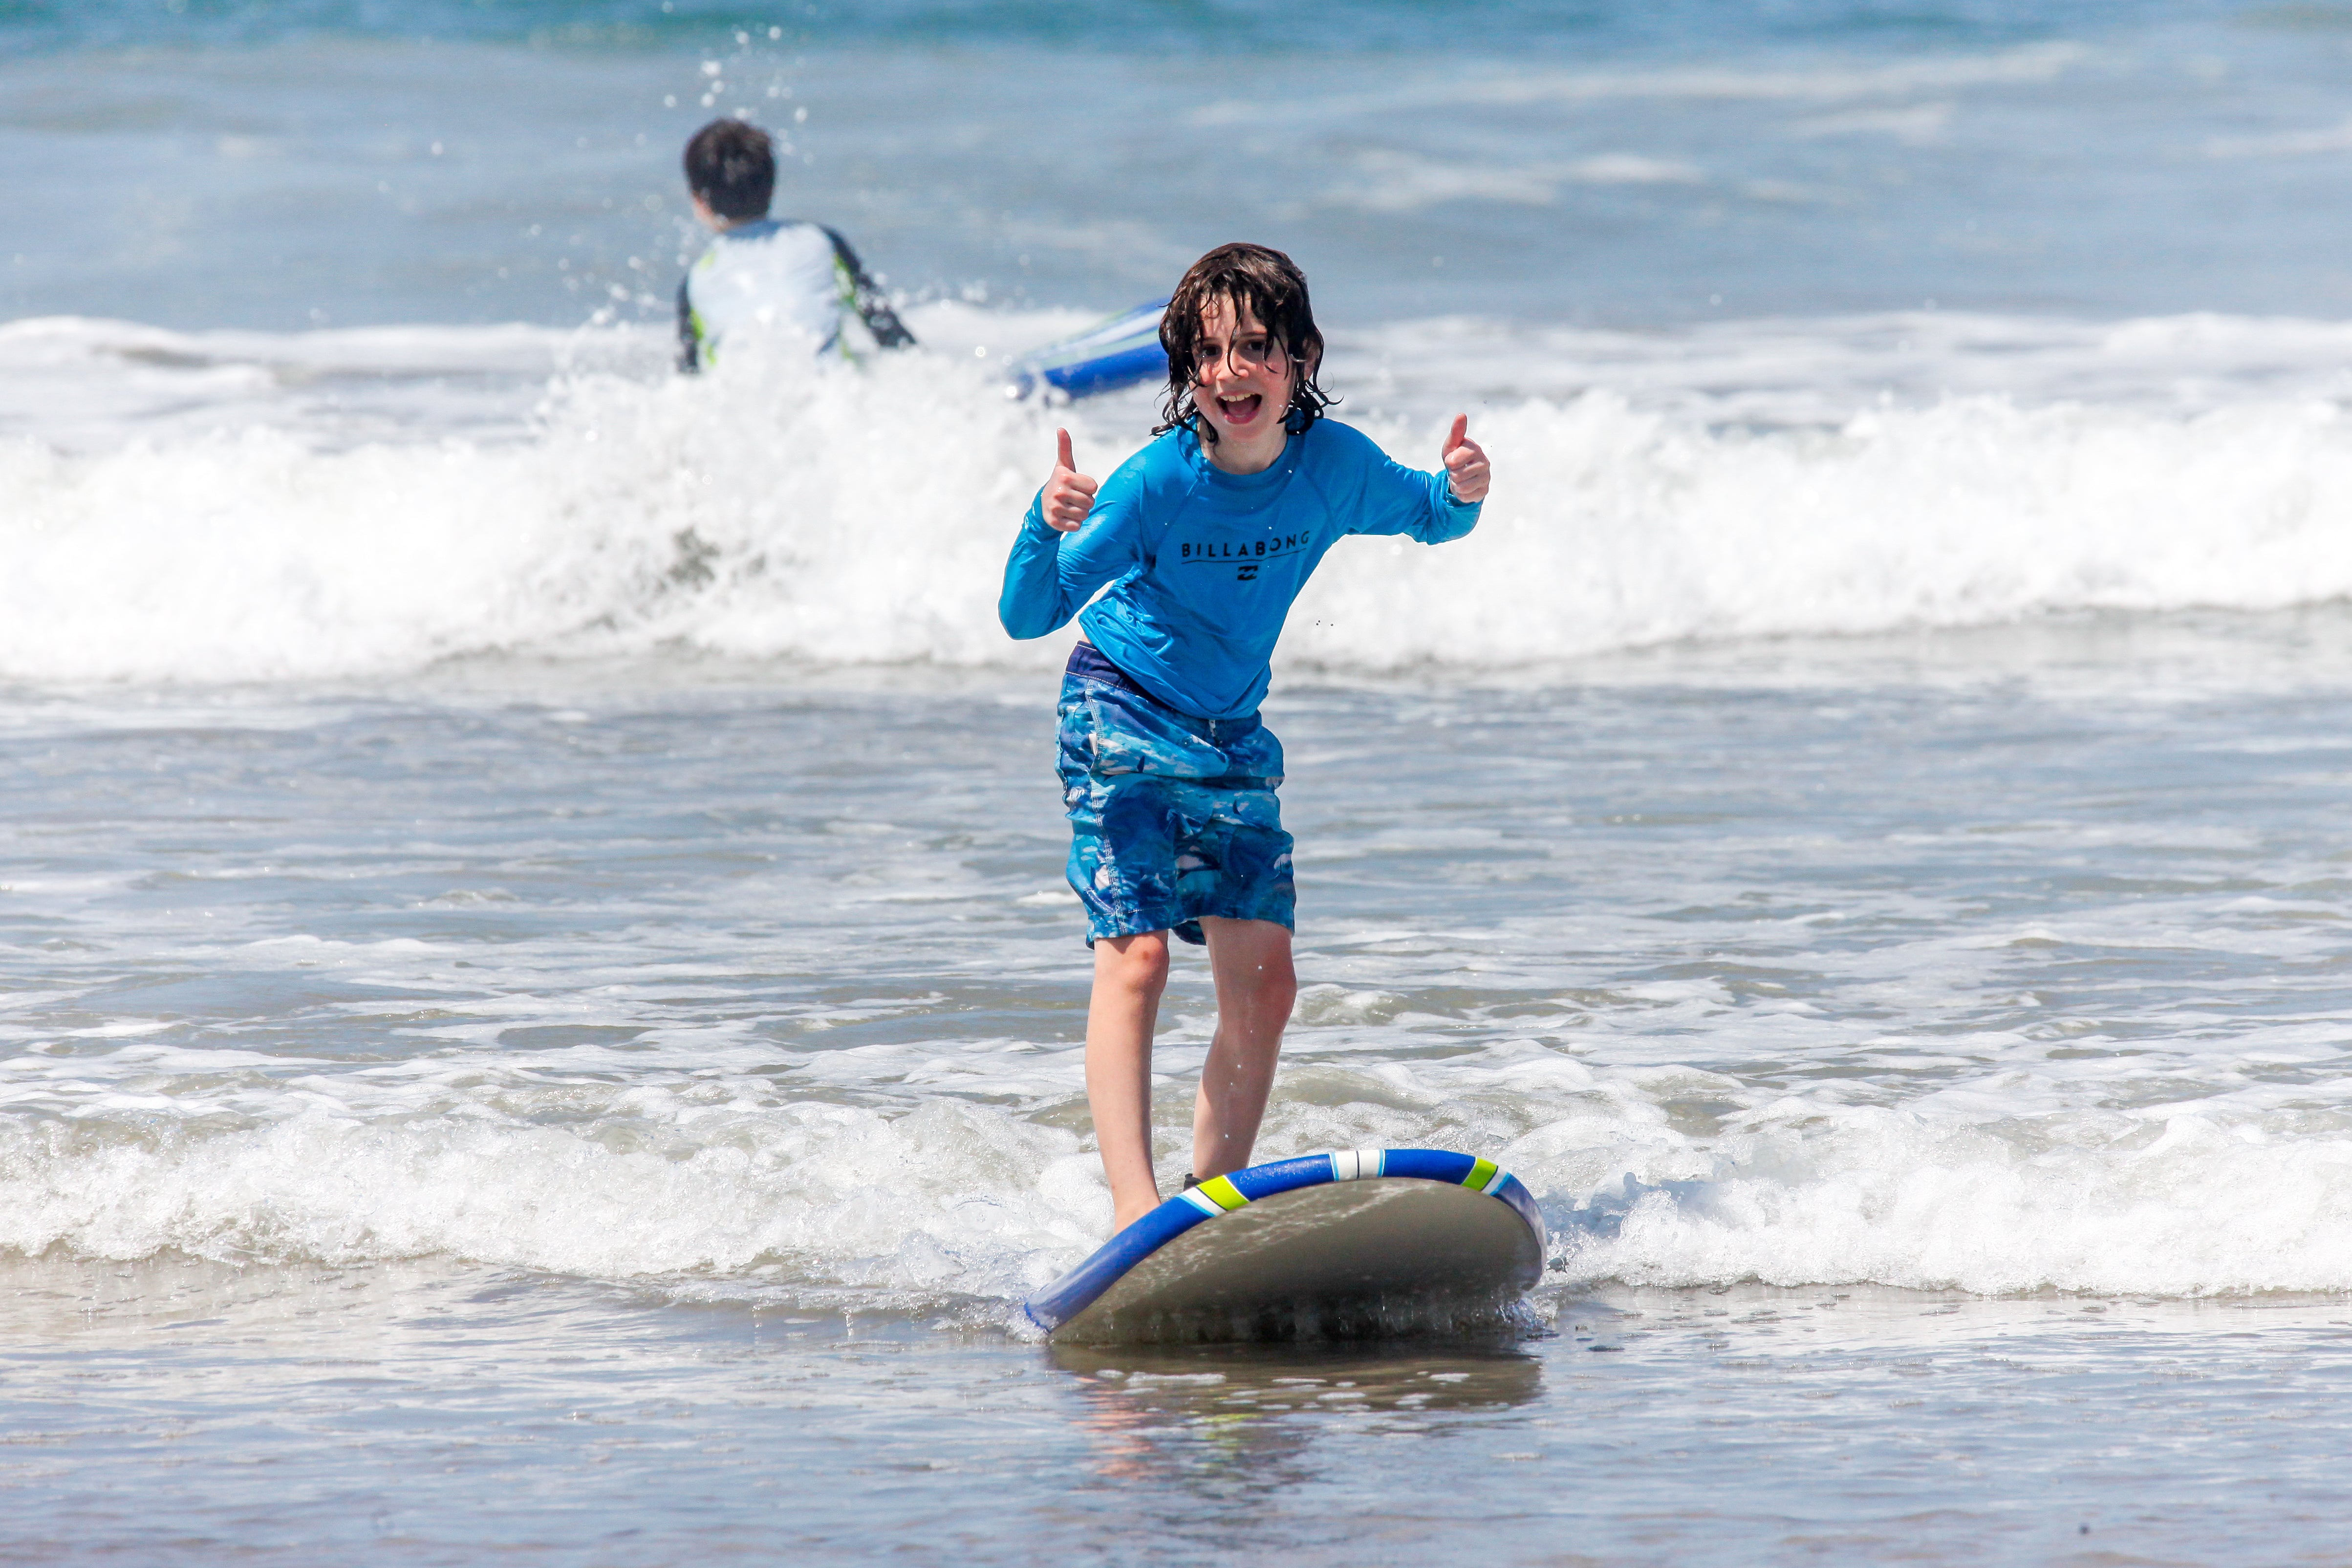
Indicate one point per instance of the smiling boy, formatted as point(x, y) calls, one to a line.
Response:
point(1205, 537)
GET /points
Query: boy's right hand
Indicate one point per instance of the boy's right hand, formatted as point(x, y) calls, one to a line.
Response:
point(1069, 494)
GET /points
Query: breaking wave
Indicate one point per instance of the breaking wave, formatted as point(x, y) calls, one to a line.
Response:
point(782, 511)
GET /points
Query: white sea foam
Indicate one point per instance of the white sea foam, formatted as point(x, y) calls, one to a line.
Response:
point(755, 995)
point(1881, 1198)
point(602, 1165)
point(839, 1194)
point(777, 511)
point(1620, 528)
point(2033, 64)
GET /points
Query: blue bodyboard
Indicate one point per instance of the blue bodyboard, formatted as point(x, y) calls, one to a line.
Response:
point(1358, 1244)
point(1111, 354)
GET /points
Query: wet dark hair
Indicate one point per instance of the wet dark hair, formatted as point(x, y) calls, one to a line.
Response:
point(731, 165)
point(1270, 284)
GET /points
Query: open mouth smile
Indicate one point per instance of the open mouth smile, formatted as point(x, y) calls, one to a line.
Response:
point(1241, 409)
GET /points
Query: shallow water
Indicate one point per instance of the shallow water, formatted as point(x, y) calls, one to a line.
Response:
point(529, 1013)
point(1888, 965)
point(538, 1012)
point(173, 1411)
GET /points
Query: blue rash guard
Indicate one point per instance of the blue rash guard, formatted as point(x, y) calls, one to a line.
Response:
point(1203, 565)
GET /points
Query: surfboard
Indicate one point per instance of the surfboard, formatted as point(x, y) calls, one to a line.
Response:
point(1117, 353)
point(1362, 1243)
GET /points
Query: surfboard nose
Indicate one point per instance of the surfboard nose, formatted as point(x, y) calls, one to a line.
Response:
point(1351, 1243)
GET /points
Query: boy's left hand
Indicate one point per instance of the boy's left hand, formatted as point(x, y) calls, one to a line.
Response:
point(1465, 463)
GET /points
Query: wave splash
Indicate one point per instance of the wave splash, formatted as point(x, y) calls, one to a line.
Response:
point(758, 1192)
point(781, 511)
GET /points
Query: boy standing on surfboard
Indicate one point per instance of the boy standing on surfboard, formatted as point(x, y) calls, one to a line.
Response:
point(1204, 536)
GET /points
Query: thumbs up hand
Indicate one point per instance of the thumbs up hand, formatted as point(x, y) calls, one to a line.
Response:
point(1069, 494)
point(1466, 461)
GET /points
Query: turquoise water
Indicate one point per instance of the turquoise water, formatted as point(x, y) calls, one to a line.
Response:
point(1555, 26)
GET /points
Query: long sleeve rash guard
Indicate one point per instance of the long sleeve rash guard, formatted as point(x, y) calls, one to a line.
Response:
point(1203, 565)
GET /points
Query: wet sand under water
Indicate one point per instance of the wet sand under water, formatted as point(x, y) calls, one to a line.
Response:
point(176, 1411)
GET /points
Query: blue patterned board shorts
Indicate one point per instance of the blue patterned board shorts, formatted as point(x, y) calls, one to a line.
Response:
point(1172, 816)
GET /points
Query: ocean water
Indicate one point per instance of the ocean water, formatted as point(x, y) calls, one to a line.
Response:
point(539, 1016)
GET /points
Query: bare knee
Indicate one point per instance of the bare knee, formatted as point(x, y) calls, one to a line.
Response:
point(1269, 989)
point(1278, 977)
point(1138, 964)
point(1278, 992)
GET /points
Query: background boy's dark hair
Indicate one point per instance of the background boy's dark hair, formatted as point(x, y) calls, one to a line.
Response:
point(1271, 285)
point(731, 165)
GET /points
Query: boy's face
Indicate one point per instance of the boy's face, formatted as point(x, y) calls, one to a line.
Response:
point(1242, 380)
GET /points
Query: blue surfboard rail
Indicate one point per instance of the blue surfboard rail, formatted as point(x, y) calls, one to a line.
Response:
point(1117, 352)
point(1077, 1291)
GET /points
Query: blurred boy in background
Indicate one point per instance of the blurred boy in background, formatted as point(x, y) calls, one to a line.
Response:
point(761, 273)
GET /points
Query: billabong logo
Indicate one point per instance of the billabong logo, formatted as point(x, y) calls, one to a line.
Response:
point(1245, 573)
point(1252, 551)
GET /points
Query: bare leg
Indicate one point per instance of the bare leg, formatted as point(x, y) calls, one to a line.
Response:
point(1130, 973)
point(1256, 989)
